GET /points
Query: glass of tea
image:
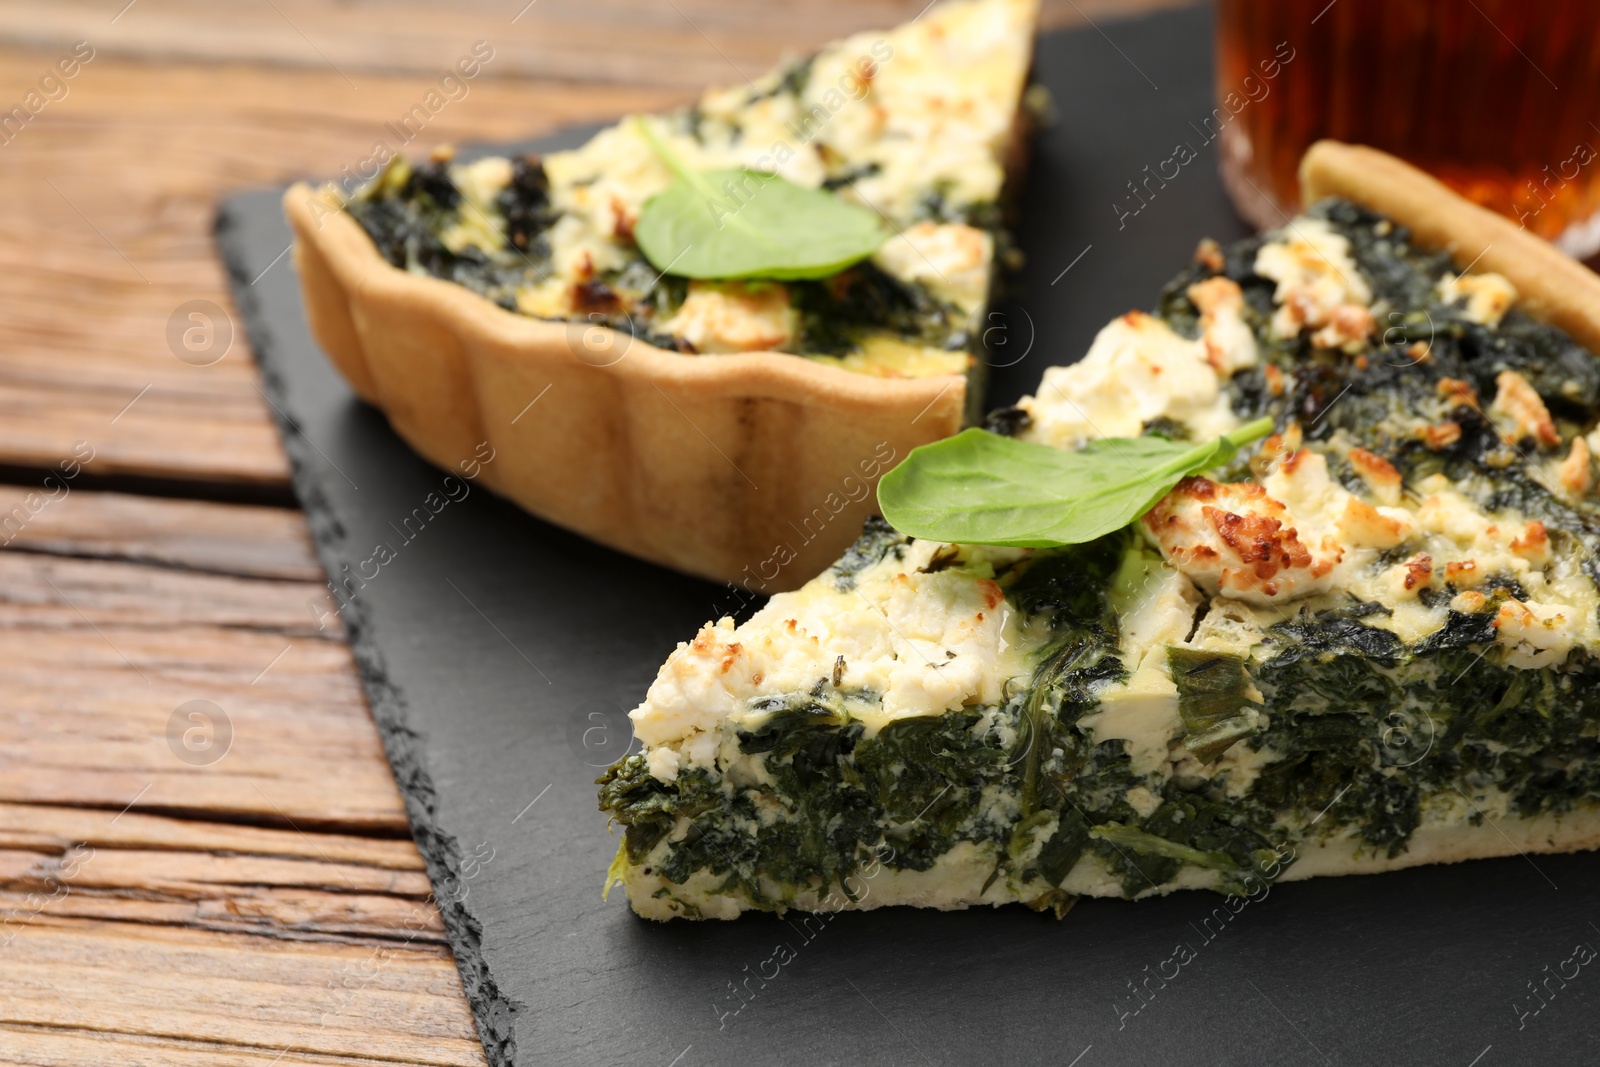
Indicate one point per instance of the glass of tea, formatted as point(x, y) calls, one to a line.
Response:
point(1500, 99)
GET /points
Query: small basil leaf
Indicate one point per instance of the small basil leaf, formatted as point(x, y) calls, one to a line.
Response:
point(981, 488)
point(778, 230)
point(739, 223)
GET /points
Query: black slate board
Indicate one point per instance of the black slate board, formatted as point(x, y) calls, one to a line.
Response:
point(498, 652)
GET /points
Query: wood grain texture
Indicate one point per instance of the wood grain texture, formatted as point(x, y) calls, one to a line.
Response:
point(686, 44)
point(130, 985)
point(256, 542)
point(100, 656)
point(256, 903)
point(77, 863)
point(110, 196)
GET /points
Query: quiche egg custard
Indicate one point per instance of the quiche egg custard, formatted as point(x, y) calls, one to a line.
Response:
point(737, 309)
point(919, 124)
point(1368, 641)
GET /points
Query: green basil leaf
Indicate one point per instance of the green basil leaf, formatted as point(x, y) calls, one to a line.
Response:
point(983, 489)
point(739, 223)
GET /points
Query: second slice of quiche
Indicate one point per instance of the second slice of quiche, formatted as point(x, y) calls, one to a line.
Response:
point(1367, 642)
point(701, 412)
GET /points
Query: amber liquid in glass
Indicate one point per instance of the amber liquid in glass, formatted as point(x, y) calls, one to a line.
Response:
point(1498, 98)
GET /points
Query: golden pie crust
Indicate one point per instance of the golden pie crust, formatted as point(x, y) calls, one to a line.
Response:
point(756, 468)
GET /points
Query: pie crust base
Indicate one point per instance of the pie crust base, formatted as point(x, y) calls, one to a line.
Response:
point(756, 468)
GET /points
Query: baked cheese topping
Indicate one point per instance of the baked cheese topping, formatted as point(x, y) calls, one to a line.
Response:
point(1319, 286)
point(917, 642)
point(950, 259)
point(1485, 298)
point(1325, 644)
point(1239, 541)
point(735, 317)
point(917, 124)
point(1137, 371)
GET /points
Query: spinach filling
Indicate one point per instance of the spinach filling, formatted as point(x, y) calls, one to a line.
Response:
point(1423, 345)
point(408, 209)
point(836, 798)
point(1352, 728)
point(921, 786)
point(1363, 730)
point(1367, 728)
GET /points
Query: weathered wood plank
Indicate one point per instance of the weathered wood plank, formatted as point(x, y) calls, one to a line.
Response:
point(93, 718)
point(93, 270)
point(213, 893)
point(259, 542)
point(686, 44)
point(99, 655)
point(53, 830)
point(252, 944)
point(52, 593)
point(82, 863)
point(131, 984)
point(50, 1046)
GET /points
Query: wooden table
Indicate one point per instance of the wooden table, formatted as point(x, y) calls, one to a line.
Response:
point(203, 855)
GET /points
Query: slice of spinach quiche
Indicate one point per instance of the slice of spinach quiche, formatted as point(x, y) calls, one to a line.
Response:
point(919, 125)
point(738, 308)
point(1365, 642)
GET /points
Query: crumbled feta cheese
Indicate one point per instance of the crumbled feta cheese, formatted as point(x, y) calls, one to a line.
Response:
point(1407, 580)
point(1236, 540)
point(1519, 412)
point(1532, 544)
point(693, 690)
point(1229, 343)
point(1319, 285)
point(1485, 297)
point(615, 171)
point(1457, 393)
point(950, 260)
point(1155, 605)
point(1534, 635)
point(922, 643)
point(479, 183)
point(663, 763)
point(1445, 511)
point(1143, 801)
point(735, 317)
point(1467, 544)
point(1361, 525)
point(482, 180)
point(1440, 435)
point(1576, 473)
point(1137, 370)
point(1379, 474)
point(1232, 626)
point(922, 128)
point(1326, 512)
point(1141, 712)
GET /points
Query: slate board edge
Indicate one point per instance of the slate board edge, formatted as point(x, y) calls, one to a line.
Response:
point(492, 1010)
